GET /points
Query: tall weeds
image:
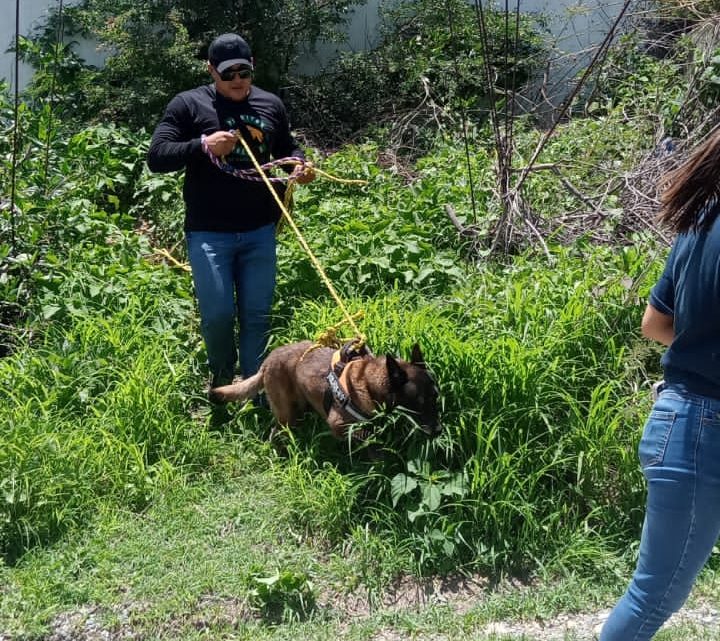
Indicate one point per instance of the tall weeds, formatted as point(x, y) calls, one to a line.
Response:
point(544, 392)
point(542, 373)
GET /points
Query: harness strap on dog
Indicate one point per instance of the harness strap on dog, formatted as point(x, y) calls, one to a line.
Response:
point(341, 358)
point(338, 394)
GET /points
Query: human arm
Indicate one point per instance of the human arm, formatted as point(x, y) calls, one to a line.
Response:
point(657, 325)
point(175, 140)
point(658, 321)
point(172, 143)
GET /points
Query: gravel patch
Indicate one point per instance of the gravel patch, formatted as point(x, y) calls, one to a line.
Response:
point(586, 627)
point(89, 623)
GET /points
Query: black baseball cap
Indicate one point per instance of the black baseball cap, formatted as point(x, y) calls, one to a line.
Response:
point(229, 50)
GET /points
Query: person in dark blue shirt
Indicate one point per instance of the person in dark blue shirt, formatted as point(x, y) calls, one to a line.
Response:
point(229, 221)
point(680, 447)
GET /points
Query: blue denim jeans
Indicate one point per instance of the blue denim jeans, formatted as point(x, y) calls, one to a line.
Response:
point(234, 278)
point(680, 456)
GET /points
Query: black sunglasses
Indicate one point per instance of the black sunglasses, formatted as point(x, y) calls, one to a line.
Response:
point(229, 74)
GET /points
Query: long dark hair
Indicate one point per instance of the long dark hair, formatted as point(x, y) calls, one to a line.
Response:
point(691, 192)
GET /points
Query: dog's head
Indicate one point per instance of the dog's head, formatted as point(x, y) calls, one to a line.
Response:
point(413, 388)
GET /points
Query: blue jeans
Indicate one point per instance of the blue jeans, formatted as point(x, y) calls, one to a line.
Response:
point(234, 277)
point(680, 456)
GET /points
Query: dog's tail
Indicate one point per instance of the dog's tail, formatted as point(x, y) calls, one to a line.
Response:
point(240, 391)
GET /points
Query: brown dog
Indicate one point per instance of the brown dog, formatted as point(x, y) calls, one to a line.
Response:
point(296, 377)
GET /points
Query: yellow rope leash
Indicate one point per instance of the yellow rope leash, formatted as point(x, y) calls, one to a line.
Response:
point(290, 187)
point(320, 172)
point(166, 254)
point(330, 338)
point(303, 242)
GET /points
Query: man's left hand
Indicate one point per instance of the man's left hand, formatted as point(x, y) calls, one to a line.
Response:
point(304, 174)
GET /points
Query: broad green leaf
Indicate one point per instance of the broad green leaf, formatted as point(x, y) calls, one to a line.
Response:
point(401, 485)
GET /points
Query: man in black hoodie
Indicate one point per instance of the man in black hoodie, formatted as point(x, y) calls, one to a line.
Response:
point(229, 220)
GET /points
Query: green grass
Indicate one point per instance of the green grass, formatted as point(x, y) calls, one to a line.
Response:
point(97, 412)
point(191, 554)
point(123, 498)
point(184, 568)
point(541, 409)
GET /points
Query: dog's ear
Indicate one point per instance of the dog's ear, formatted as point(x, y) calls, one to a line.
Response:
point(417, 357)
point(396, 374)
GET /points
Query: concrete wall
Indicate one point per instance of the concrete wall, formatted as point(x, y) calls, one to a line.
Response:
point(576, 28)
point(33, 13)
point(576, 25)
point(363, 33)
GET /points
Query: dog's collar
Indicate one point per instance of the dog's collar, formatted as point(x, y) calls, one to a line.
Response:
point(342, 398)
point(349, 352)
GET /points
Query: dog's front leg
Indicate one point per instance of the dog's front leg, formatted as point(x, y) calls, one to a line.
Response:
point(338, 424)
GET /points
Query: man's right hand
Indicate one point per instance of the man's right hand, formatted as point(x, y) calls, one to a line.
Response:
point(221, 143)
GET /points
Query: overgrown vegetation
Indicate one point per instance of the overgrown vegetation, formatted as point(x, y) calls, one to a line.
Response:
point(544, 378)
point(428, 64)
point(427, 69)
point(504, 342)
point(157, 48)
